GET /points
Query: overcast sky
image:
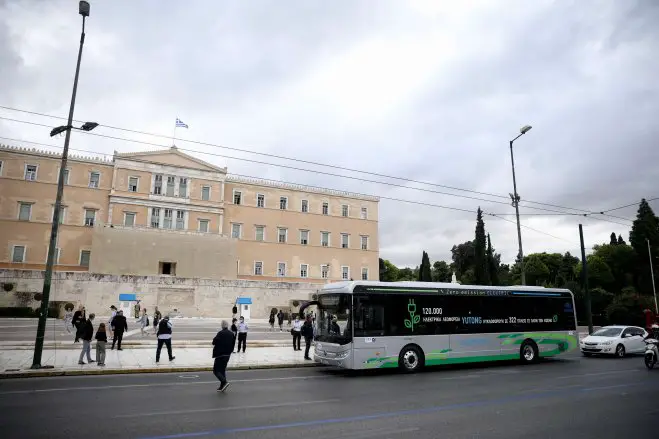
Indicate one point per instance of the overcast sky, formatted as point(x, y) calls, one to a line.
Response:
point(424, 90)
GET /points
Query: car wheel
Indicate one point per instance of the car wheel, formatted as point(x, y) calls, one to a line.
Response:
point(620, 351)
point(410, 359)
point(528, 353)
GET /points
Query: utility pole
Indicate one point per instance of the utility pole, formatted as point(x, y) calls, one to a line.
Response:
point(515, 197)
point(654, 290)
point(83, 9)
point(584, 277)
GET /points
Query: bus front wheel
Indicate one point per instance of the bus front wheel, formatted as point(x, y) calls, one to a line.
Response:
point(528, 353)
point(411, 359)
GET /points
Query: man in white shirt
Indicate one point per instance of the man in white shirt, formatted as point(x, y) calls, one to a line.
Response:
point(242, 334)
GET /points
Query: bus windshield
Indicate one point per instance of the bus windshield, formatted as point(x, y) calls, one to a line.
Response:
point(334, 318)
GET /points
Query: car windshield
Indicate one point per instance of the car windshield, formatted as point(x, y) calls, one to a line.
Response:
point(607, 332)
point(334, 318)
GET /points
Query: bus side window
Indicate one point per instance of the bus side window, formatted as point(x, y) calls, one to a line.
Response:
point(369, 317)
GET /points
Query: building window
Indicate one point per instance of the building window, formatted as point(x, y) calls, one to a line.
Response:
point(345, 240)
point(364, 273)
point(283, 235)
point(183, 187)
point(324, 271)
point(364, 213)
point(203, 225)
point(258, 268)
point(85, 257)
point(325, 239)
point(62, 213)
point(235, 230)
point(237, 197)
point(167, 268)
point(345, 273)
point(129, 219)
point(58, 251)
point(305, 206)
point(171, 183)
point(31, 172)
point(90, 217)
point(325, 208)
point(260, 200)
point(260, 233)
point(155, 217)
point(24, 211)
point(344, 210)
point(281, 269)
point(18, 254)
point(66, 176)
point(304, 270)
point(157, 185)
point(206, 193)
point(94, 179)
point(283, 203)
point(364, 240)
point(132, 184)
point(1, 166)
point(180, 219)
point(168, 223)
point(304, 237)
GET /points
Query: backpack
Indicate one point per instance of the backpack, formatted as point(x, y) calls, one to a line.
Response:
point(147, 320)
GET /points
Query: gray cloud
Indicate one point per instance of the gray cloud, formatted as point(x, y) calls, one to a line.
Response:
point(426, 90)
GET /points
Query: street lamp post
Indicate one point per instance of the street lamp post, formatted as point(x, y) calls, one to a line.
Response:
point(515, 198)
point(654, 290)
point(83, 9)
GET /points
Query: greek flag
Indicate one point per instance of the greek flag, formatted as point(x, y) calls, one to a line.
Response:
point(180, 123)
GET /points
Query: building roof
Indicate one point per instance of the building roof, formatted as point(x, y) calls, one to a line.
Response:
point(54, 155)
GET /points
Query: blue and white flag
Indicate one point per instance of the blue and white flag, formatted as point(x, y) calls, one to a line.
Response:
point(180, 123)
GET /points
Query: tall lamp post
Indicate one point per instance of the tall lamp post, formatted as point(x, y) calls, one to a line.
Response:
point(83, 9)
point(515, 197)
point(654, 289)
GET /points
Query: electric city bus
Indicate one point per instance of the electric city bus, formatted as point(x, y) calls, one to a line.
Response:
point(408, 325)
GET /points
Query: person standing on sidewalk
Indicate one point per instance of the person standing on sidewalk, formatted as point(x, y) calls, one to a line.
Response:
point(119, 325)
point(77, 321)
point(157, 316)
point(86, 333)
point(113, 313)
point(101, 340)
point(144, 322)
point(242, 334)
point(307, 333)
point(165, 337)
point(297, 333)
point(68, 317)
point(272, 321)
point(223, 344)
point(280, 320)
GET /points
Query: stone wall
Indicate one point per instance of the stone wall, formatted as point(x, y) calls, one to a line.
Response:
point(191, 297)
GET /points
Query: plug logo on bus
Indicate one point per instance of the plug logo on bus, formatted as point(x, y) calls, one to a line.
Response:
point(414, 317)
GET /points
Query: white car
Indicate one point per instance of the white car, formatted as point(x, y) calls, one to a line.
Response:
point(614, 340)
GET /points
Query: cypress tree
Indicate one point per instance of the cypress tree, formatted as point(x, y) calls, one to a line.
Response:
point(424, 270)
point(614, 239)
point(644, 229)
point(492, 265)
point(480, 259)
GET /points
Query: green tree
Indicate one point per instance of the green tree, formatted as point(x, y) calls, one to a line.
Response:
point(492, 263)
point(408, 274)
point(462, 256)
point(645, 228)
point(536, 270)
point(599, 273)
point(622, 260)
point(424, 269)
point(388, 271)
point(566, 272)
point(614, 239)
point(621, 241)
point(441, 272)
point(480, 259)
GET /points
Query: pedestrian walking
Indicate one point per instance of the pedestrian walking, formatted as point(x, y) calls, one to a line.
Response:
point(144, 322)
point(307, 333)
point(297, 333)
point(272, 321)
point(119, 326)
point(242, 334)
point(234, 327)
point(86, 333)
point(101, 340)
point(157, 316)
point(77, 320)
point(223, 344)
point(68, 318)
point(113, 313)
point(280, 320)
point(165, 337)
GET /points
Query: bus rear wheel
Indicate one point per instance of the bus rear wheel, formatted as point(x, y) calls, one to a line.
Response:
point(528, 353)
point(411, 359)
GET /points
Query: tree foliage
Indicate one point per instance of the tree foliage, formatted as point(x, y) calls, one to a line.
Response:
point(481, 276)
point(424, 269)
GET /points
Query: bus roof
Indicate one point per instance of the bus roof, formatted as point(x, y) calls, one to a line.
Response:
point(349, 286)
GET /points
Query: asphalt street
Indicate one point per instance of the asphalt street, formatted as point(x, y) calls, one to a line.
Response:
point(570, 398)
point(193, 329)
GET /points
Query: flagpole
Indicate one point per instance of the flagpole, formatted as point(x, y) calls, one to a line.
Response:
point(174, 135)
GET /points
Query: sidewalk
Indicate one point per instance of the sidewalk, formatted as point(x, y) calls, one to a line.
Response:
point(17, 363)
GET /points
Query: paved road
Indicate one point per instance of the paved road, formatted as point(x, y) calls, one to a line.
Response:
point(572, 398)
point(26, 330)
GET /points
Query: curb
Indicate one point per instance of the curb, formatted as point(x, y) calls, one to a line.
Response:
point(77, 347)
point(53, 373)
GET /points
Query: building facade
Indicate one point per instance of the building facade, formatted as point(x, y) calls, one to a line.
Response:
point(170, 214)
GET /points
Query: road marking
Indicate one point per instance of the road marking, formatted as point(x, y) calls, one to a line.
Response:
point(591, 374)
point(188, 383)
point(188, 376)
point(381, 432)
point(226, 409)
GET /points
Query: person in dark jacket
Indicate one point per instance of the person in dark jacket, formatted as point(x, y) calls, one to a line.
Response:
point(78, 319)
point(119, 326)
point(307, 333)
point(86, 333)
point(223, 345)
point(280, 320)
point(101, 340)
point(164, 337)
